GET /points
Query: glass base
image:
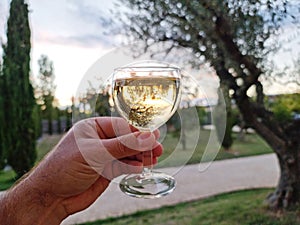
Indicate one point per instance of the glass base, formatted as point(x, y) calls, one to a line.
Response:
point(150, 185)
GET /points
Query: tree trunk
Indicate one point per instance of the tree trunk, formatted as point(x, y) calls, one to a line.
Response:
point(287, 193)
point(284, 140)
point(224, 111)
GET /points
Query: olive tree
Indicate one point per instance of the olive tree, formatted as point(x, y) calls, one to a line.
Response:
point(235, 37)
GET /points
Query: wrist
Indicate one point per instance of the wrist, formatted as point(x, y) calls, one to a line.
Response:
point(27, 204)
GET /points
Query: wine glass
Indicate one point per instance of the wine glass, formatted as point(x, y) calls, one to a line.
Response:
point(147, 95)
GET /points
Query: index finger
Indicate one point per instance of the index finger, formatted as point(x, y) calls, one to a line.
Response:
point(111, 127)
point(128, 145)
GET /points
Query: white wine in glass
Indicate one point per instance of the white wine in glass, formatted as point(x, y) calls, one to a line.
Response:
point(147, 95)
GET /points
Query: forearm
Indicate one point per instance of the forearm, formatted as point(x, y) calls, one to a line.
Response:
point(25, 204)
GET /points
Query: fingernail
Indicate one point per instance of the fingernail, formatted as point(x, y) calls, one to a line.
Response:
point(144, 135)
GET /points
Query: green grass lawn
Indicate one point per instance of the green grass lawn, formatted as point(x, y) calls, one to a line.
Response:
point(237, 208)
point(7, 179)
point(251, 145)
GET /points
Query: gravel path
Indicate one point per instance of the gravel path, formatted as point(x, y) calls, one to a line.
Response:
point(218, 177)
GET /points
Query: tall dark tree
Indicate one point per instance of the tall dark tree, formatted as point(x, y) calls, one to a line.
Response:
point(58, 113)
point(102, 106)
point(234, 37)
point(46, 89)
point(18, 93)
point(37, 117)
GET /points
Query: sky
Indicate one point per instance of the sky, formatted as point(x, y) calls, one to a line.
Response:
point(71, 34)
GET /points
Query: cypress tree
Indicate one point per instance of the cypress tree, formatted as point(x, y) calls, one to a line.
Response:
point(19, 99)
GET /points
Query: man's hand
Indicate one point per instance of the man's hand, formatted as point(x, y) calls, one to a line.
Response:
point(78, 170)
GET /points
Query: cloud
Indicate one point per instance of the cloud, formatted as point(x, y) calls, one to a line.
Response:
point(90, 11)
point(67, 22)
point(86, 40)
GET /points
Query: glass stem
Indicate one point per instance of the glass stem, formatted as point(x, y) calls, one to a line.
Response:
point(147, 162)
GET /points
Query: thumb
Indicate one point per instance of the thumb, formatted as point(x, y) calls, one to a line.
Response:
point(129, 144)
